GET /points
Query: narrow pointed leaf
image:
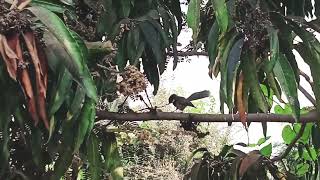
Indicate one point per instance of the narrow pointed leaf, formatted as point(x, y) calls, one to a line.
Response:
point(193, 18)
point(286, 78)
point(221, 13)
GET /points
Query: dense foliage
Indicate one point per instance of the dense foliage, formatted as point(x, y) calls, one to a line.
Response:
point(55, 73)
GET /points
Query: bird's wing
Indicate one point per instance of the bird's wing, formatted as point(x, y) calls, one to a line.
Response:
point(199, 95)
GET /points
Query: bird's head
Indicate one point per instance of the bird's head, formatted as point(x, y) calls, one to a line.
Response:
point(172, 98)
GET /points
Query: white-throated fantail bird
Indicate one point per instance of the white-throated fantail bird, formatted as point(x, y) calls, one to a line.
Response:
point(181, 102)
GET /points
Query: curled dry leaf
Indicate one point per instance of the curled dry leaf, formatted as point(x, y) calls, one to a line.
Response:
point(240, 101)
point(23, 77)
point(9, 56)
point(41, 76)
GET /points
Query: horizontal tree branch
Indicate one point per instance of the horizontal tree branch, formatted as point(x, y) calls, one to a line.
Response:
point(148, 116)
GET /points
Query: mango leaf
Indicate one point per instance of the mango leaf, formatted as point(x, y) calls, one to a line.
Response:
point(221, 13)
point(193, 18)
point(286, 78)
point(41, 74)
point(233, 64)
point(111, 155)
point(72, 44)
point(315, 133)
point(61, 93)
point(175, 34)
point(125, 8)
point(213, 38)
point(52, 6)
point(288, 134)
point(94, 157)
point(248, 161)
point(120, 58)
point(274, 49)
point(241, 104)
point(152, 38)
point(84, 123)
point(107, 19)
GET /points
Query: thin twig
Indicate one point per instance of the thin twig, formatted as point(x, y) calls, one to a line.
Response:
point(306, 77)
point(307, 95)
point(148, 98)
point(291, 145)
point(189, 53)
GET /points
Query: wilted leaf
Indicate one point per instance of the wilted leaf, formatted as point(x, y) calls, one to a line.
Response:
point(240, 101)
point(8, 55)
point(25, 82)
point(40, 75)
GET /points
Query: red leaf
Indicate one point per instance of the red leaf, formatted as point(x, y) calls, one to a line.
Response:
point(240, 101)
point(41, 76)
point(8, 55)
point(24, 78)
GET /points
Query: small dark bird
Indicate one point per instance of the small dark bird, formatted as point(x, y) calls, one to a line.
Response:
point(181, 102)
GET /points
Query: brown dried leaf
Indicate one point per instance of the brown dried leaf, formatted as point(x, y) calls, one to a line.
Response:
point(24, 79)
point(41, 76)
point(240, 101)
point(252, 158)
point(8, 55)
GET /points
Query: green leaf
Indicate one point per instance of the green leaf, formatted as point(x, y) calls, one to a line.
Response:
point(152, 38)
point(274, 49)
point(62, 164)
point(286, 78)
point(193, 18)
point(84, 122)
point(111, 155)
point(306, 133)
point(107, 19)
point(120, 58)
point(233, 64)
point(213, 38)
point(221, 13)
point(316, 136)
point(94, 157)
point(266, 150)
point(251, 78)
point(76, 104)
point(302, 169)
point(125, 8)
point(52, 6)
point(174, 32)
point(61, 93)
point(288, 134)
point(263, 140)
point(279, 110)
point(73, 45)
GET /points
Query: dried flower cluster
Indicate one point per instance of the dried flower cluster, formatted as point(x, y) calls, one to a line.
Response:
point(252, 22)
point(12, 20)
point(133, 81)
